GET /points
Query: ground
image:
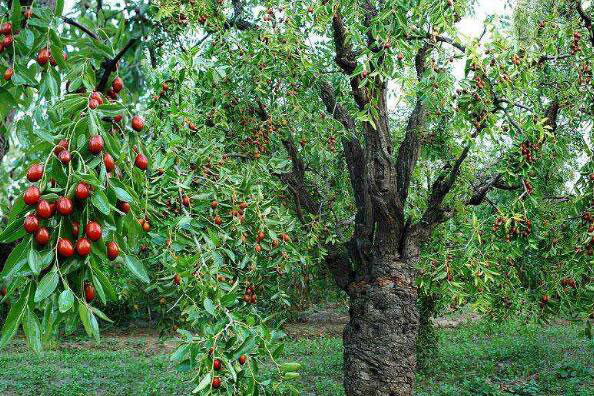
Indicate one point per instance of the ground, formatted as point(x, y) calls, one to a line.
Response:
point(476, 358)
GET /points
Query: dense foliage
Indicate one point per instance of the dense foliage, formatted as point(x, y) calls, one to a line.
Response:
point(203, 158)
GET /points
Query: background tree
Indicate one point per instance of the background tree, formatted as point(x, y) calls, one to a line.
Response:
point(284, 62)
point(367, 136)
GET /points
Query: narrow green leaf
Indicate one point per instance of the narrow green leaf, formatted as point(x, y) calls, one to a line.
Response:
point(122, 194)
point(209, 306)
point(16, 14)
point(66, 300)
point(59, 7)
point(15, 315)
point(32, 330)
point(47, 285)
point(99, 289)
point(35, 261)
point(137, 268)
point(101, 202)
point(203, 383)
point(83, 312)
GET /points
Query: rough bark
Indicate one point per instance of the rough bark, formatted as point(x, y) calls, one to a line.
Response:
point(379, 340)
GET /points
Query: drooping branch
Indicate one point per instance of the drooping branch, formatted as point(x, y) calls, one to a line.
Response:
point(110, 66)
point(441, 39)
point(482, 187)
point(83, 28)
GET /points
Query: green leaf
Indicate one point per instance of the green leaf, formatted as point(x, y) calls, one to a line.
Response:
point(57, 48)
point(137, 268)
point(47, 285)
point(94, 326)
point(209, 306)
point(99, 289)
point(15, 315)
point(248, 345)
point(59, 7)
point(229, 299)
point(10, 230)
point(16, 259)
point(18, 207)
point(180, 354)
point(35, 261)
point(84, 313)
point(290, 367)
point(16, 14)
point(203, 383)
point(105, 283)
point(99, 199)
point(32, 330)
point(99, 313)
point(66, 300)
point(122, 194)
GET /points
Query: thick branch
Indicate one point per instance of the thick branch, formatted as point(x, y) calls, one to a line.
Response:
point(345, 57)
point(408, 152)
point(110, 65)
point(339, 265)
point(337, 111)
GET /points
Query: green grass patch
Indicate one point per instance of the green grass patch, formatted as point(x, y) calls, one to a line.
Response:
point(476, 359)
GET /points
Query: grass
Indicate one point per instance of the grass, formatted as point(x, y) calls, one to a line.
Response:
point(475, 359)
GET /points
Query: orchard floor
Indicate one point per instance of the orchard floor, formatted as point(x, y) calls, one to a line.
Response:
point(475, 359)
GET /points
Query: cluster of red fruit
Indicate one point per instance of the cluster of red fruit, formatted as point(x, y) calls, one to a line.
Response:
point(218, 366)
point(498, 222)
point(522, 227)
point(528, 187)
point(239, 213)
point(250, 295)
point(65, 207)
point(516, 60)
point(528, 150)
point(95, 99)
point(6, 31)
point(260, 139)
point(568, 282)
point(44, 55)
point(164, 89)
point(575, 45)
point(585, 74)
point(332, 143)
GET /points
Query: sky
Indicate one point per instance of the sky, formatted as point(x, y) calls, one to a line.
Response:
point(473, 25)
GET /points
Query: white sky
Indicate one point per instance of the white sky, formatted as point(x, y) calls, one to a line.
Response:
point(473, 25)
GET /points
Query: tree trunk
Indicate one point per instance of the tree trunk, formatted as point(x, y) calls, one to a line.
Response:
point(379, 340)
point(427, 337)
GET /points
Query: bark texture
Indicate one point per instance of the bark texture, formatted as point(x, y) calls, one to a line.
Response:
point(379, 340)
